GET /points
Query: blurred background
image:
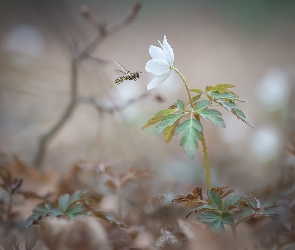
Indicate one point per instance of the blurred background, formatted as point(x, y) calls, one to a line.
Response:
point(250, 44)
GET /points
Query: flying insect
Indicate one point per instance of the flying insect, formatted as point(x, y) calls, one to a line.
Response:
point(126, 74)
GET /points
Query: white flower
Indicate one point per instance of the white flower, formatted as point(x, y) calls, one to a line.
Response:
point(161, 63)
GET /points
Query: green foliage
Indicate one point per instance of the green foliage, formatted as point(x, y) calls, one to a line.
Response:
point(216, 220)
point(70, 206)
point(191, 129)
point(222, 208)
point(169, 119)
point(214, 116)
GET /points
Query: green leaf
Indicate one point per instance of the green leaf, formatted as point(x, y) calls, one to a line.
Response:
point(233, 201)
point(64, 202)
point(167, 121)
point(158, 117)
point(229, 105)
point(43, 209)
point(189, 124)
point(191, 129)
point(76, 210)
point(226, 96)
point(221, 88)
point(227, 219)
point(197, 90)
point(39, 212)
point(180, 105)
point(215, 199)
point(169, 131)
point(202, 104)
point(202, 207)
point(214, 116)
point(196, 98)
point(213, 219)
point(190, 144)
point(251, 201)
point(54, 212)
point(240, 115)
point(77, 195)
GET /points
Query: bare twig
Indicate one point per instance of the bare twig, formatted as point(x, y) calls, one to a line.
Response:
point(103, 31)
point(108, 30)
point(110, 109)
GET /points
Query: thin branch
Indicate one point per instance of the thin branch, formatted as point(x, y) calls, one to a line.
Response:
point(47, 137)
point(103, 31)
point(103, 108)
point(109, 30)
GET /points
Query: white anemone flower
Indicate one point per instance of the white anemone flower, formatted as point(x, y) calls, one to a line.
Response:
point(161, 63)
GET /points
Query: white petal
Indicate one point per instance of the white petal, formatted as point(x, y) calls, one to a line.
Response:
point(157, 53)
point(168, 50)
point(157, 67)
point(157, 81)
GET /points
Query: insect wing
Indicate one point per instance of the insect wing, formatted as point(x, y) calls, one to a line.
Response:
point(124, 70)
point(120, 72)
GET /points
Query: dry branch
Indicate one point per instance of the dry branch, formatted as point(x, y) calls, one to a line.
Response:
point(103, 32)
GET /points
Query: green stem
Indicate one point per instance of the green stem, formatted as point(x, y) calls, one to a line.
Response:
point(186, 86)
point(206, 160)
point(206, 163)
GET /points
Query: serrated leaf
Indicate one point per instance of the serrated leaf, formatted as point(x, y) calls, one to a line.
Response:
point(190, 144)
point(226, 96)
point(169, 131)
point(200, 208)
point(221, 88)
point(158, 117)
point(233, 201)
point(229, 105)
point(213, 219)
point(240, 115)
point(215, 199)
point(39, 212)
point(196, 98)
point(209, 88)
point(190, 128)
point(180, 105)
point(251, 201)
point(216, 226)
point(167, 121)
point(187, 125)
point(64, 202)
point(202, 104)
point(77, 195)
point(75, 210)
point(214, 116)
point(227, 219)
point(209, 216)
point(54, 212)
point(197, 90)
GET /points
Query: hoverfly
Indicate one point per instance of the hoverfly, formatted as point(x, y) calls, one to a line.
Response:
point(126, 74)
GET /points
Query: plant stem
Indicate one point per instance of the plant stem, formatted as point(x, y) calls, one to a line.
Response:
point(205, 151)
point(235, 236)
point(206, 163)
point(186, 86)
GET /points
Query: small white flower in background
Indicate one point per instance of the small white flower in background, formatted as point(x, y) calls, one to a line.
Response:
point(161, 63)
